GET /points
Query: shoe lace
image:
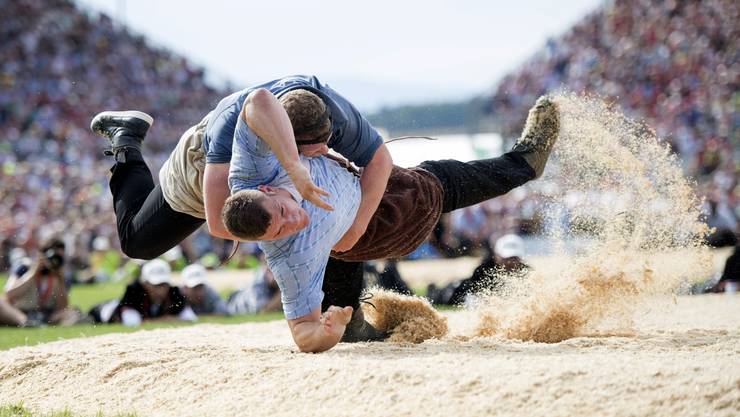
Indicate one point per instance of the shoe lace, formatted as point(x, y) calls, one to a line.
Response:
point(366, 297)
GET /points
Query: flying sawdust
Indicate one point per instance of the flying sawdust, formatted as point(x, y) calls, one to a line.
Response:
point(622, 191)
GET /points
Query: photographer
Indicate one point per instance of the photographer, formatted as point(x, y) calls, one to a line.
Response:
point(36, 289)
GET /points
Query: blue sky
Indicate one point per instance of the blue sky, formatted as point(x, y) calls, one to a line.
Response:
point(376, 53)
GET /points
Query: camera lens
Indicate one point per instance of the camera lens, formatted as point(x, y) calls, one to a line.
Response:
point(55, 261)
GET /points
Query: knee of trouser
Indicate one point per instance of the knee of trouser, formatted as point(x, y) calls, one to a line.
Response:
point(139, 251)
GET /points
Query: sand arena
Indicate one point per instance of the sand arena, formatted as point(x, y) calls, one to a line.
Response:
point(681, 362)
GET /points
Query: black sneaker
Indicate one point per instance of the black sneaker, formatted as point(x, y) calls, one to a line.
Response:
point(540, 134)
point(124, 129)
point(359, 330)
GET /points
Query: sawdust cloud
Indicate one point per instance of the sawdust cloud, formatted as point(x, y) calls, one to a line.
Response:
point(620, 190)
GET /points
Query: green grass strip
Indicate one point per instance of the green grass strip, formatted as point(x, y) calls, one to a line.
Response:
point(18, 410)
point(11, 337)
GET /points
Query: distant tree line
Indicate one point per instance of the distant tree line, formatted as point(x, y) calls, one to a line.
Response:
point(457, 117)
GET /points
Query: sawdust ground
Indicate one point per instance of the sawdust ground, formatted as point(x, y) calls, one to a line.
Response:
point(680, 361)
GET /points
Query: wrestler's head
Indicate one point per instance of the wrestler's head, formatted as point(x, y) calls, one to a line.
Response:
point(310, 119)
point(267, 213)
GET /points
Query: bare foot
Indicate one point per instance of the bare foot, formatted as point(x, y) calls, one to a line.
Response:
point(335, 319)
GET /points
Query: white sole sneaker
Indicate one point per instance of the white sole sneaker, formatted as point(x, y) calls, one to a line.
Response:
point(126, 113)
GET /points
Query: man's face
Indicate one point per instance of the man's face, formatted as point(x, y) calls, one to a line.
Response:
point(195, 295)
point(157, 293)
point(287, 216)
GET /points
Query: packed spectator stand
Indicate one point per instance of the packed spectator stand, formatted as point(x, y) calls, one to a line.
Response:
point(60, 66)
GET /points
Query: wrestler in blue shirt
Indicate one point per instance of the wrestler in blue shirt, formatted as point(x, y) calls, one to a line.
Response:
point(298, 261)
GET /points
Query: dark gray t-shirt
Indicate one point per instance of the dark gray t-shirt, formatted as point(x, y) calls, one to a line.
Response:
point(353, 136)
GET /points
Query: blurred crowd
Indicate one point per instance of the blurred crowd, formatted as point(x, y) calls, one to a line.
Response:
point(673, 64)
point(37, 294)
point(59, 67)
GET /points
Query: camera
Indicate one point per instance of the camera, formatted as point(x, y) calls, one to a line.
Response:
point(54, 261)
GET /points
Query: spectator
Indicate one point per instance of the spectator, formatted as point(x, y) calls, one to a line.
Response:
point(262, 295)
point(152, 297)
point(730, 279)
point(11, 316)
point(489, 276)
point(722, 220)
point(389, 278)
point(36, 291)
point(201, 297)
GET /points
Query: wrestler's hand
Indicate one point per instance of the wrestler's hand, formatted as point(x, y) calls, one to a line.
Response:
point(303, 183)
point(350, 238)
point(335, 319)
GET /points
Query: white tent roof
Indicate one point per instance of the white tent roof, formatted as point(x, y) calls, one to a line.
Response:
point(411, 152)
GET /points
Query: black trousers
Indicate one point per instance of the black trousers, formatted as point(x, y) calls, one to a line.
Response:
point(464, 184)
point(343, 284)
point(147, 225)
point(469, 183)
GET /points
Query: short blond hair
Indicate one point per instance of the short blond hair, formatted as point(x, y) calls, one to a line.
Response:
point(307, 113)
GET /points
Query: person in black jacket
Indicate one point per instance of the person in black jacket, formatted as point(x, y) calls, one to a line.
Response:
point(151, 297)
point(730, 279)
point(505, 259)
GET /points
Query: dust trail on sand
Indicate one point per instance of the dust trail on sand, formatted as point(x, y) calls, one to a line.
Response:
point(406, 318)
point(620, 188)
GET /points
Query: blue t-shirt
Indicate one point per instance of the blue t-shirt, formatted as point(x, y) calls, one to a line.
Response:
point(298, 262)
point(353, 136)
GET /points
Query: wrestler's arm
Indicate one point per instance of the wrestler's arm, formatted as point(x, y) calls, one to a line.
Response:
point(373, 182)
point(318, 332)
point(312, 331)
point(215, 193)
point(264, 114)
